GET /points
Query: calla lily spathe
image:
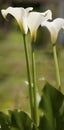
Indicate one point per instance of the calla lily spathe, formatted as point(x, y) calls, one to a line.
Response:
point(20, 14)
point(35, 19)
point(54, 27)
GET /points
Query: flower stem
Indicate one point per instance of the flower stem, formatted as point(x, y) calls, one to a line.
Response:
point(34, 83)
point(57, 67)
point(29, 76)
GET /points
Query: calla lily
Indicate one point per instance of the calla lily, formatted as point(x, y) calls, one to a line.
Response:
point(35, 19)
point(20, 14)
point(54, 27)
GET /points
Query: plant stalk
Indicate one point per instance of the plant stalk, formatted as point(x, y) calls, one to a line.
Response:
point(34, 83)
point(29, 75)
point(56, 67)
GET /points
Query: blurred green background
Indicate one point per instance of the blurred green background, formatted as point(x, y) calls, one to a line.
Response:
point(13, 90)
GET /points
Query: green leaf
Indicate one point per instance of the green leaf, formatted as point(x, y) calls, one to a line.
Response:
point(4, 121)
point(21, 121)
point(16, 120)
point(52, 107)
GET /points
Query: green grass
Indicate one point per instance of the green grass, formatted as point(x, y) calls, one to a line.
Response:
point(13, 90)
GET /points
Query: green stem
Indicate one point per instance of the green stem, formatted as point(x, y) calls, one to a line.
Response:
point(57, 67)
point(29, 76)
point(34, 83)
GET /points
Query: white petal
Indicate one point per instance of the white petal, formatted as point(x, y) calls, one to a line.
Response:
point(20, 14)
point(54, 27)
point(29, 9)
point(47, 14)
point(35, 19)
point(4, 13)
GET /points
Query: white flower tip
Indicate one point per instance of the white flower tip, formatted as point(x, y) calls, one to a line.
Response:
point(6, 11)
point(29, 9)
point(48, 14)
point(3, 12)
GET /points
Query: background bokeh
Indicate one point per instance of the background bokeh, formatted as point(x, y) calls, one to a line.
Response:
point(13, 90)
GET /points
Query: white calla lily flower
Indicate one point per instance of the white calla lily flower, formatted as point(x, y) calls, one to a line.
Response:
point(35, 19)
point(20, 14)
point(54, 27)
